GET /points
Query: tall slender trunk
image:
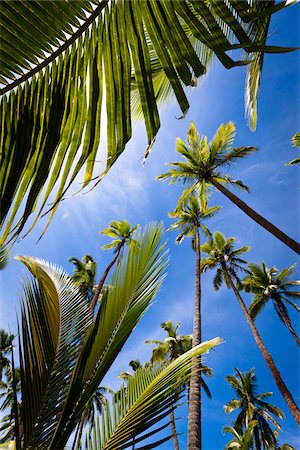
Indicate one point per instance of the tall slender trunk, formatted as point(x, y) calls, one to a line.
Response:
point(102, 281)
point(257, 217)
point(194, 407)
point(268, 358)
point(15, 402)
point(174, 432)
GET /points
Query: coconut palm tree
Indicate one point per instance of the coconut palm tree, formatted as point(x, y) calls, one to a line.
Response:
point(8, 390)
point(53, 83)
point(202, 166)
point(6, 342)
point(253, 407)
point(64, 360)
point(84, 274)
point(190, 217)
point(240, 440)
point(268, 284)
point(93, 407)
point(227, 261)
point(169, 349)
point(122, 234)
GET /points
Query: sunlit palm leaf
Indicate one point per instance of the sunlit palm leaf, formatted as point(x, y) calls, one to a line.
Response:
point(144, 401)
point(50, 118)
point(54, 318)
point(133, 287)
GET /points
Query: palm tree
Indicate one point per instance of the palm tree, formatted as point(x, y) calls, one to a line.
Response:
point(53, 83)
point(253, 407)
point(8, 390)
point(202, 166)
point(122, 234)
point(64, 360)
point(93, 407)
point(223, 256)
point(84, 274)
point(240, 440)
point(270, 284)
point(190, 217)
point(6, 342)
point(171, 348)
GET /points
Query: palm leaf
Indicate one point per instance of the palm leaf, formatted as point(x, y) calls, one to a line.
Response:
point(54, 317)
point(147, 398)
point(134, 285)
point(54, 82)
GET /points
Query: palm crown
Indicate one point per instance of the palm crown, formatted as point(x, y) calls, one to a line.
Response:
point(121, 232)
point(173, 346)
point(84, 274)
point(253, 406)
point(269, 284)
point(190, 216)
point(203, 160)
point(202, 167)
point(221, 253)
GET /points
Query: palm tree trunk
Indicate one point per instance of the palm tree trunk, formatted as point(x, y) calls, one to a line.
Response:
point(268, 358)
point(15, 402)
point(257, 217)
point(174, 432)
point(102, 281)
point(194, 407)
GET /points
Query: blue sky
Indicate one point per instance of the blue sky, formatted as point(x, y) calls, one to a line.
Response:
point(130, 192)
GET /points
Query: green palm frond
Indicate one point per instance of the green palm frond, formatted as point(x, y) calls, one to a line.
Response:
point(253, 407)
point(134, 285)
point(54, 319)
point(296, 143)
point(65, 353)
point(146, 399)
point(296, 140)
point(4, 257)
point(54, 83)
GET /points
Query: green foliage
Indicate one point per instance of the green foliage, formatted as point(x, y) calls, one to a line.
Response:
point(84, 274)
point(64, 359)
point(55, 81)
point(6, 342)
point(4, 257)
point(253, 408)
point(143, 401)
point(121, 233)
point(203, 160)
point(296, 143)
point(268, 284)
point(243, 440)
point(190, 217)
point(221, 254)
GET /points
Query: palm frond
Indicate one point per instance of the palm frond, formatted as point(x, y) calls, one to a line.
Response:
point(4, 257)
point(146, 400)
point(55, 81)
point(54, 318)
point(134, 285)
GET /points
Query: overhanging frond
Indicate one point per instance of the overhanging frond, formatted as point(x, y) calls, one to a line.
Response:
point(51, 107)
